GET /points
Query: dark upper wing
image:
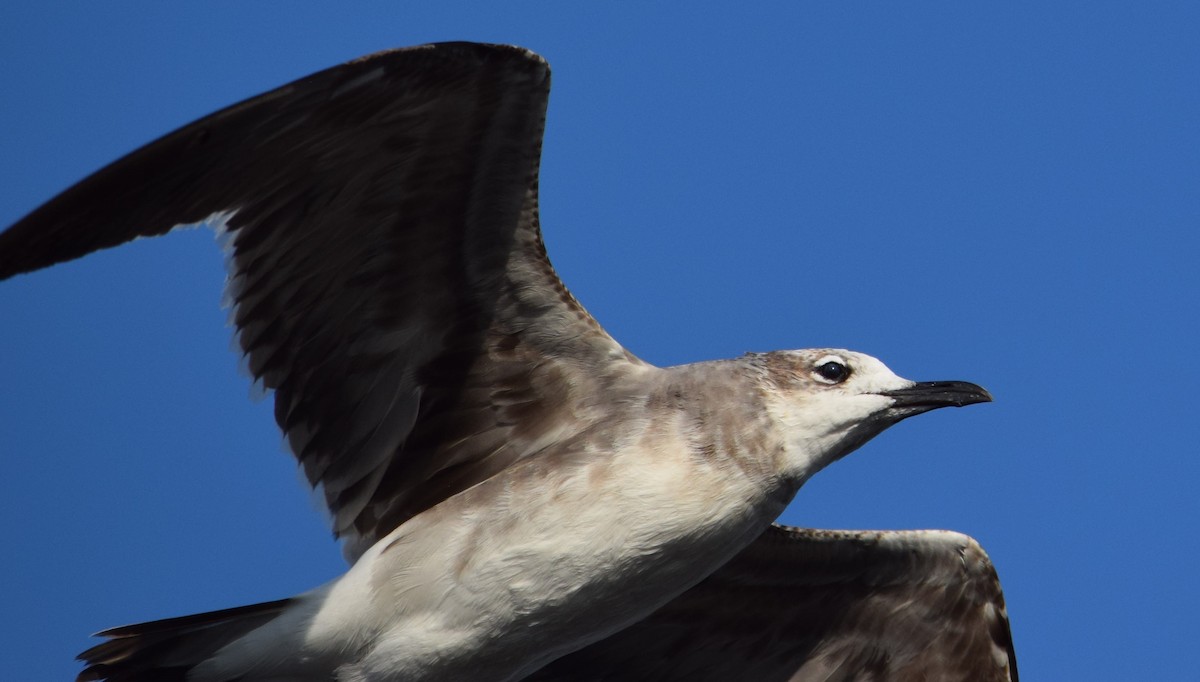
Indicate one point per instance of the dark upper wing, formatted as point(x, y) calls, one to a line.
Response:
point(809, 605)
point(387, 268)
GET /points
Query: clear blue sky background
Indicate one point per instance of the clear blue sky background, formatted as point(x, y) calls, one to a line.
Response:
point(1008, 196)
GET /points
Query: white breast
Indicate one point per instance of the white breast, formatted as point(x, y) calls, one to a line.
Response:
point(544, 560)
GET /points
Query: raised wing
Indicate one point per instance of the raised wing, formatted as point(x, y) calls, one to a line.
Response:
point(387, 268)
point(816, 605)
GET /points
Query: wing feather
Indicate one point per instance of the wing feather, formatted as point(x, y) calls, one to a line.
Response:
point(815, 605)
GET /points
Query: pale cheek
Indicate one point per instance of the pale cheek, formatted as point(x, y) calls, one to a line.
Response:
point(835, 418)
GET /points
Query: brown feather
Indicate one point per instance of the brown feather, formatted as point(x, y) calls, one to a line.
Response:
point(816, 605)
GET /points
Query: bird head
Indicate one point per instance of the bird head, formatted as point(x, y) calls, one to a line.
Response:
point(828, 402)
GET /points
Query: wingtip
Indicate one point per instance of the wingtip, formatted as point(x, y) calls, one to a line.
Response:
point(462, 48)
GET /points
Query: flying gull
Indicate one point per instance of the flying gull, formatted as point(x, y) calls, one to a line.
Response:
point(518, 495)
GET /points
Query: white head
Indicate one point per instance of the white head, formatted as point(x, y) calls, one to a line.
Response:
point(827, 402)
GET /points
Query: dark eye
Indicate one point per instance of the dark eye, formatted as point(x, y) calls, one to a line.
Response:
point(832, 371)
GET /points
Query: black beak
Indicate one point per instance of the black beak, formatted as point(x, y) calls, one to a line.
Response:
point(930, 395)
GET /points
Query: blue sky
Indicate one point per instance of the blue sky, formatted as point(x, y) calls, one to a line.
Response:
point(1004, 195)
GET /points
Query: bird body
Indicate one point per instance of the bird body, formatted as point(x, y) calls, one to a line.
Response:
point(515, 490)
point(568, 547)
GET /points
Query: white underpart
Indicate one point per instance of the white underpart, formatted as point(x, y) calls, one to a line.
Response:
point(504, 577)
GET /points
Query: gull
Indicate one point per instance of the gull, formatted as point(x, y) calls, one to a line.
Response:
point(519, 496)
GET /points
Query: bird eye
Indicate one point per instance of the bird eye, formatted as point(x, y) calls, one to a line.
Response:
point(832, 371)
